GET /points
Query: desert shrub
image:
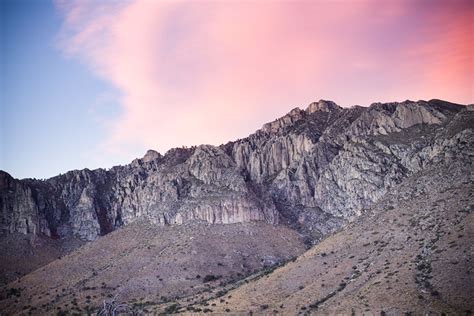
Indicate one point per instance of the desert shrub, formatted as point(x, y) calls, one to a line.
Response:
point(173, 308)
point(342, 285)
point(14, 292)
point(210, 277)
point(221, 293)
point(316, 304)
point(434, 293)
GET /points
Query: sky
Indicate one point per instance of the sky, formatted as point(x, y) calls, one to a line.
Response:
point(88, 84)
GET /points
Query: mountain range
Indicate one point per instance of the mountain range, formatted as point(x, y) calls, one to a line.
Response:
point(324, 210)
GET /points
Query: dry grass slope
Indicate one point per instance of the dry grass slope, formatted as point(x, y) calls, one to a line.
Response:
point(145, 266)
point(22, 254)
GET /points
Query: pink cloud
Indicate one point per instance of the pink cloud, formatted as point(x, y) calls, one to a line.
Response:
point(207, 72)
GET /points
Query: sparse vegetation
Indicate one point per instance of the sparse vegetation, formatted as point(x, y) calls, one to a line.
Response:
point(210, 278)
point(171, 309)
point(14, 292)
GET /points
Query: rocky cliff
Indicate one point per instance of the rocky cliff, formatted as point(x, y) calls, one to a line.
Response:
point(312, 169)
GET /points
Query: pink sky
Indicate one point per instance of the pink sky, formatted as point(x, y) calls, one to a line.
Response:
point(208, 72)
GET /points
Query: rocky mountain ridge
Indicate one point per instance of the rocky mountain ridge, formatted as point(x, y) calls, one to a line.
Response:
point(312, 169)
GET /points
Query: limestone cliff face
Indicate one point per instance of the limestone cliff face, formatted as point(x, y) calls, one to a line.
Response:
point(18, 207)
point(313, 169)
point(336, 162)
point(200, 183)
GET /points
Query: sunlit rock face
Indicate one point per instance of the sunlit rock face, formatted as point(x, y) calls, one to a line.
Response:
point(312, 169)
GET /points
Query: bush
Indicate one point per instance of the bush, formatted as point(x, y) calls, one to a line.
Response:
point(14, 292)
point(173, 308)
point(210, 277)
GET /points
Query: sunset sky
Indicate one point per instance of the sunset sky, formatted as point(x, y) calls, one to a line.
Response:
point(97, 83)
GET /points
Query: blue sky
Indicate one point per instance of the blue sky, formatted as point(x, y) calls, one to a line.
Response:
point(50, 117)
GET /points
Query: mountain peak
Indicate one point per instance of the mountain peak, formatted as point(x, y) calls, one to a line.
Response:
point(151, 155)
point(322, 105)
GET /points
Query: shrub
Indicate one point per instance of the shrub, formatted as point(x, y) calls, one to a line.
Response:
point(173, 308)
point(14, 292)
point(210, 277)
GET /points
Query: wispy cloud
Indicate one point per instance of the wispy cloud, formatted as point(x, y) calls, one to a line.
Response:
point(206, 72)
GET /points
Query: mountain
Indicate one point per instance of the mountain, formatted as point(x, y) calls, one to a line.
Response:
point(324, 162)
point(324, 176)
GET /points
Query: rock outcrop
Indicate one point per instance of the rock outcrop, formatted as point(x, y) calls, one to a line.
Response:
point(312, 169)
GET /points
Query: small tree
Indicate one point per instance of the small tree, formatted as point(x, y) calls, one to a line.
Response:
point(112, 307)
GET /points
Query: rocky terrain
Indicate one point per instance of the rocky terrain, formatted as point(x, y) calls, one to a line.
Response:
point(360, 183)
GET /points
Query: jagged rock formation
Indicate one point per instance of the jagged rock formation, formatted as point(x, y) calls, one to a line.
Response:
point(313, 169)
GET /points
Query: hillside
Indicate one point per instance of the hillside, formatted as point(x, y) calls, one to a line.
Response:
point(144, 264)
point(22, 254)
point(410, 253)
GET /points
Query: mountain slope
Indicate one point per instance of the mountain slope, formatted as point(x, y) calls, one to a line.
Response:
point(411, 252)
point(22, 254)
point(144, 264)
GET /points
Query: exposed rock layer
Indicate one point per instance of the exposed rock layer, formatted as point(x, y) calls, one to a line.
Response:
point(313, 169)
